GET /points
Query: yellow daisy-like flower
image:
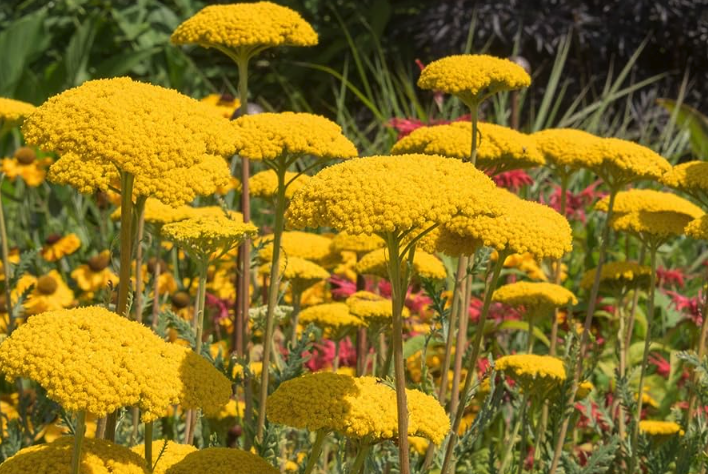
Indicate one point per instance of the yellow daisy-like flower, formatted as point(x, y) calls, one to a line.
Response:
point(172, 144)
point(520, 227)
point(97, 456)
point(301, 273)
point(265, 183)
point(49, 293)
point(304, 245)
point(172, 453)
point(534, 373)
point(13, 112)
point(528, 264)
point(500, 148)
point(224, 105)
point(94, 360)
point(273, 136)
point(222, 461)
point(691, 178)
point(536, 297)
point(624, 162)
point(618, 275)
point(381, 194)
point(27, 166)
point(204, 236)
point(659, 428)
point(335, 317)
point(245, 26)
point(58, 246)
point(425, 265)
point(568, 149)
point(95, 274)
point(473, 77)
point(355, 407)
point(360, 243)
point(373, 309)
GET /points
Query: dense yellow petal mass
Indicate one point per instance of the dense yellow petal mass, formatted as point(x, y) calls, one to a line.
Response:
point(472, 77)
point(619, 275)
point(659, 428)
point(305, 245)
point(13, 112)
point(624, 162)
point(168, 457)
point(534, 295)
point(425, 265)
point(691, 178)
point(649, 200)
point(355, 407)
point(568, 149)
point(335, 316)
point(222, 461)
point(204, 236)
point(239, 25)
point(360, 243)
point(265, 183)
point(534, 373)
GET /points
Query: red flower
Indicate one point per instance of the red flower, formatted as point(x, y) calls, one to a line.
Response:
point(323, 355)
point(663, 367)
point(513, 180)
point(222, 309)
point(406, 125)
point(674, 277)
point(691, 307)
point(576, 203)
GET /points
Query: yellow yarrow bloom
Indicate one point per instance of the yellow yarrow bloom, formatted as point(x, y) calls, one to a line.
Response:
point(659, 428)
point(265, 183)
point(649, 200)
point(373, 309)
point(334, 317)
point(13, 112)
point(359, 243)
point(94, 360)
point(249, 26)
point(381, 194)
point(172, 454)
point(691, 178)
point(534, 373)
point(618, 275)
point(301, 273)
point(273, 136)
point(356, 407)
point(304, 245)
point(27, 166)
point(520, 227)
point(500, 148)
point(159, 214)
point(172, 144)
point(473, 77)
point(623, 162)
point(59, 246)
point(49, 293)
point(536, 297)
point(95, 274)
point(224, 105)
point(567, 149)
point(97, 456)
point(222, 461)
point(698, 228)
point(425, 265)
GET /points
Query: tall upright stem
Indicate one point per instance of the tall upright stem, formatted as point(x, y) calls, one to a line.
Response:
point(78, 442)
point(273, 290)
point(454, 313)
point(524, 426)
point(361, 340)
point(139, 263)
point(558, 269)
point(461, 340)
point(586, 329)
point(156, 282)
point(474, 117)
point(398, 295)
point(148, 444)
point(315, 451)
point(645, 358)
point(472, 362)
point(6, 269)
point(198, 326)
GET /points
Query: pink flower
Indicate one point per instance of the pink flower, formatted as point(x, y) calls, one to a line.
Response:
point(323, 355)
point(663, 367)
point(674, 277)
point(576, 203)
point(406, 125)
point(342, 288)
point(513, 180)
point(221, 306)
point(691, 307)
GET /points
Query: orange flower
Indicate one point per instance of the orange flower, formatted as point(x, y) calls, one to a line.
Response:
point(95, 274)
point(57, 246)
point(50, 293)
point(26, 165)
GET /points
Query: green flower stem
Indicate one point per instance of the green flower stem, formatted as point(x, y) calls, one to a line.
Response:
point(198, 326)
point(79, 433)
point(511, 442)
point(358, 464)
point(273, 291)
point(474, 118)
point(558, 273)
point(586, 330)
point(6, 269)
point(472, 362)
point(148, 445)
point(295, 316)
point(362, 347)
point(647, 342)
point(315, 451)
point(156, 282)
point(635, 303)
point(524, 426)
point(531, 337)
point(621, 340)
point(463, 321)
point(140, 211)
point(398, 294)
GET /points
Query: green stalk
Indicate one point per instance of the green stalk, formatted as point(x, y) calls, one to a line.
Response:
point(198, 326)
point(472, 362)
point(78, 442)
point(524, 425)
point(273, 291)
point(558, 274)
point(461, 341)
point(6, 269)
point(398, 296)
point(529, 349)
point(315, 451)
point(358, 465)
point(148, 444)
point(156, 282)
point(645, 357)
point(474, 117)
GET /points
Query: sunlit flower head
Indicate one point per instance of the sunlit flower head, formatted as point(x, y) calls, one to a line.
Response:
point(170, 453)
point(224, 105)
point(425, 265)
point(624, 162)
point(222, 461)
point(57, 246)
point(690, 178)
point(535, 297)
point(49, 292)
point(618, 276)
point(659, 428)
point(265, 183)
point(13, 112)
point(304, 245)
point(26, 165)
point(360, 243)
point(95, 275)
point(534, 373)
point(567, 149)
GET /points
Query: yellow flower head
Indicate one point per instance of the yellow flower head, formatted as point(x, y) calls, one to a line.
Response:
point(204, 236)
point(624, 162)
point(521, 227)
point(265, 183)
point(305, 245)
point(584, 389)
point(567, 149)
point(94, 360)
point(171, 143)
point(224, 105)
point(499, 149)
point(537, 298)
point(381, 194)
point(222, 461)
point(534, 373)
point(659, 428)
point(691, 178)
point(373, 309)
point(355, 407)
point(26, 165)
point(618, 275)
point(58, 246)
point(425, 265)
point(159, 214)
point(275, 136)
point(95, 274)
point(172, 454)
point(97, 456)
point(698, 228)
point(473, 77)
point(360, 243)
point(301, 273)
point(13, 112)
point(49, 293)
point(648, 200)
point(249, 26)
point(335, 317)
